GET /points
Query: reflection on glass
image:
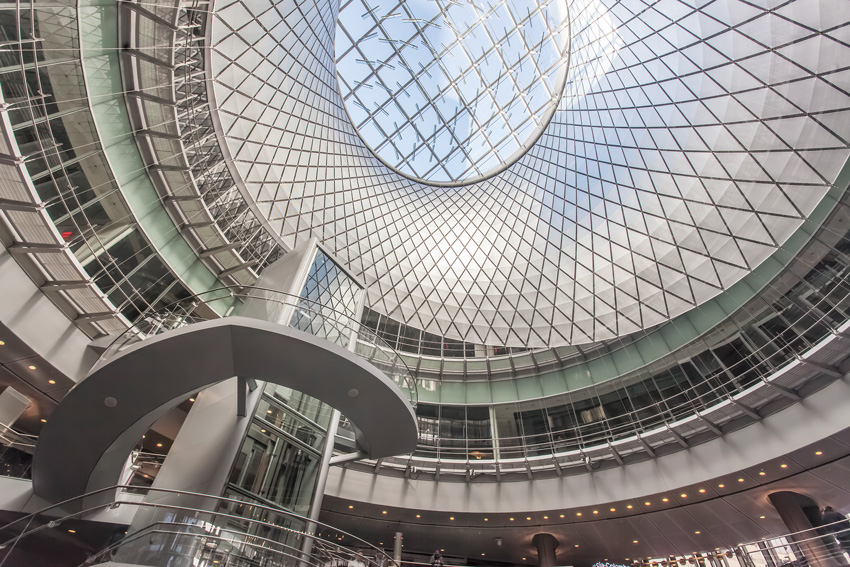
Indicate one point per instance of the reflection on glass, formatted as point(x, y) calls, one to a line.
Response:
point(330, 296)
point(274, 468)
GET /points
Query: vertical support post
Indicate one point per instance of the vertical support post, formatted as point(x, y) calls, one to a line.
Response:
point(397, 545)
point(546, 545)
point(212, 434)
point(767, 554)
point(494, 434)
point(321, 484)
point(744, 557)
point(817, 551)
point(241, 397)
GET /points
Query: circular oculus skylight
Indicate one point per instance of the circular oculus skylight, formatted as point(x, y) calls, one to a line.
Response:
point(449, 92)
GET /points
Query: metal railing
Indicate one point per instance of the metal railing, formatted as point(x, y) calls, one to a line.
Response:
point(200, 176)
point(16, 449)
point(275, 306)
point(828, 312)
point(224, 531)
point(825, 546)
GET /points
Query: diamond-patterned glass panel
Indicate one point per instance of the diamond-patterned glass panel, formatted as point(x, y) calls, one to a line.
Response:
point(331, 302)
point(692, 139)
point(449, 91)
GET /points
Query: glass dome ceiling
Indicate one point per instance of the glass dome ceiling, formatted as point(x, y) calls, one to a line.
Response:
point(451, 91)
point(690, 142)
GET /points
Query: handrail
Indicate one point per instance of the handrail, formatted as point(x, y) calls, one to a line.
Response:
point(183, 312)
point(7, 432)
point(307, 522)
point(756, 366)
point(816, 539)
point(297, 555)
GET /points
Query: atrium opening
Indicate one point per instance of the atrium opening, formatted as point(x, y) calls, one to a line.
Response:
point(425, 283)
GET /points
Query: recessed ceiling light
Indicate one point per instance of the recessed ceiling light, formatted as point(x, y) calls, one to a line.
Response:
point(451, 518)
point(613, 509)
point(51, 381)
point(629, 507)
point(482, 554)
point(562, 515)
point(761, 517)
point(191, 399)
point(545, 517)
point(43, 420)
point(418, 516)
point(740, 480)
point(576, 545)
point(697, 532)
point(683, 495)
point(2, 343)
point(511, 519)
point(262, 430)
point(578, 513)
point(350, 507)
point(159, 444)
point(702, 490)
point(383, 511)
point(634, 541)
point(486, 520)
point(72, 531)
point(523, 558)
point(268, 411)
point(721, 485)
point(818, 453)
point(762, 473)
point(528, 518)
point(665, 500)
point(783, 466)
point(647, 504)
point(31, 367)
point(596, 511)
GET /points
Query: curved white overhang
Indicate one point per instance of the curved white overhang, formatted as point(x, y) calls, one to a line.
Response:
point(816, 417)
point(657, 526)
point(89, 436)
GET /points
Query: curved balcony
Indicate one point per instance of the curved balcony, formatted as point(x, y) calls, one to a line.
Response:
point(164, 527)
point(270, 305)
point(784, 344)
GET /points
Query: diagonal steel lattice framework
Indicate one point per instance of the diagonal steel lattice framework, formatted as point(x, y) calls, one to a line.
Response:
point(690, 142)
point(480, 81)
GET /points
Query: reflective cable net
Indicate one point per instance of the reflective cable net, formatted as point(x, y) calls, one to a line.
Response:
point(690, 143)
point(450, 91)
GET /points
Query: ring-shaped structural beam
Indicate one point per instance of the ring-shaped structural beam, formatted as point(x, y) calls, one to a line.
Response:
point(88, 438)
